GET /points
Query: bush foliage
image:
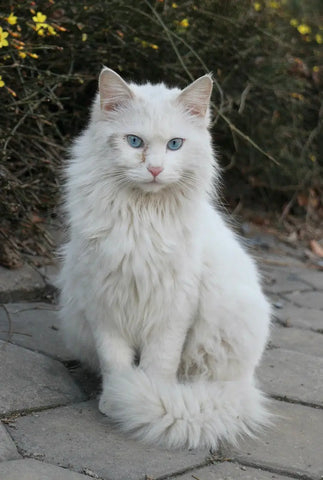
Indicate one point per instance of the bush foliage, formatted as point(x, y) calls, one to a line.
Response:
point(265, 56)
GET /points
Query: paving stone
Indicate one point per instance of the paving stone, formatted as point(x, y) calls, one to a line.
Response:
point(229, 471)
point(29, 469)
point(8, 449)
point(30, 380)
point(80, 437)
point(294, 316)
point(312, 299)
point(22, 283)
point(293, 375)
point(313, 277)
point(298, 339)
point(293, 444)
point(34, 326)
point(281, 280)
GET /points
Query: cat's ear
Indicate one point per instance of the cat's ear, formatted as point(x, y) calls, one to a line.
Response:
point(196, 97)
point(113, 90)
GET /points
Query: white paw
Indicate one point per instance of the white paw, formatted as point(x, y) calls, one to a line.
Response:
point(104, 405)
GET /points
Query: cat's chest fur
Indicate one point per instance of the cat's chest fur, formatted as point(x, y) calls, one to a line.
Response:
point(148, 263)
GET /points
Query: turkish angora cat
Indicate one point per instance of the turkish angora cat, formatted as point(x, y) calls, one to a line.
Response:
point(156, 291)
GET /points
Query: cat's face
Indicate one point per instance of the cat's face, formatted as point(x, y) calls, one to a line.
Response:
point(155, 136)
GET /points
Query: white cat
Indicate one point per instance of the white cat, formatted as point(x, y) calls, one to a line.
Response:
point(157, 292)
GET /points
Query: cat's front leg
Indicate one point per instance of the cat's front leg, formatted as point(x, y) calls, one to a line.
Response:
point(115, 356)
point(160, 356)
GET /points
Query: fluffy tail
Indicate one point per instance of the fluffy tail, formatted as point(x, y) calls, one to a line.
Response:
point(183, 415)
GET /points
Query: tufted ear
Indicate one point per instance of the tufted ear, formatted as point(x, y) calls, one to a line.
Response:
point(196, 97)
point(114, 91)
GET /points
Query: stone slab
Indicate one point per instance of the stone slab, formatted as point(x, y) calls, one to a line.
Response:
point(293, 444)
point(229, 471)
point(30, 380)
point(8, 449)
point(313, 277)
point(284, 280)
point(294, 316)
point(312, 299)
point(24, 283)
point(81, 438)
point(29, 469)
point(35, 326)
point(298, 339)
point(294, 375)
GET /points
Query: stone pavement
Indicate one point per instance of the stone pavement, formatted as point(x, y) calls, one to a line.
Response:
point(51, 428)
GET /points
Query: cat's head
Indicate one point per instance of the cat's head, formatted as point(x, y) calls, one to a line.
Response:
point(153, 137)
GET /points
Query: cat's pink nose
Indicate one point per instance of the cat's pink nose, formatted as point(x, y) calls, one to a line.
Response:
point(155, 170)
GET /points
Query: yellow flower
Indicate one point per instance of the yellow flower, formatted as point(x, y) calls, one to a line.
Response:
point(22, 54)
point(319, 38)
point(39, 18)
point(293, 22)
point(313, 158)
point(3, 36)
point(184, 23)
point(33, 55)
point(2, 84)
point(84, 37)
point(154, 46)
point(174, 5)
point(51, 30)
point(40, 26)
point(316, 68)
point(299, 96)
point(304, 29)
point(257, 6)
point(12, 20)
point(273, 4)
point(41, 31)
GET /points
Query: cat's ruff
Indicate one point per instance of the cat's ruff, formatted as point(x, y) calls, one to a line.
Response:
point(152, 272)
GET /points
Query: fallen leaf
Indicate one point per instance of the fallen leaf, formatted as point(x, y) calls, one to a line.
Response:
point(316, 248)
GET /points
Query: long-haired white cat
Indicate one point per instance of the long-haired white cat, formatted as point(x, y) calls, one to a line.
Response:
point(156, 291)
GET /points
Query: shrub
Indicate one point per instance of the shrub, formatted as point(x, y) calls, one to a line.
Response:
point(267, 103)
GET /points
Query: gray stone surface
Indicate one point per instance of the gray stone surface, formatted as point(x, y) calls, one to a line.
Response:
point(8, 450)
point(284, 280)
point(30, 469)
point(293, 444)
point(312, 299)
point(35, 326)
point(30, 380)
point(298, 339)
point(293, 375)
point(294, 316)
point(313, 277)
point(23, 283)
point(229, 471)
point(80, 437)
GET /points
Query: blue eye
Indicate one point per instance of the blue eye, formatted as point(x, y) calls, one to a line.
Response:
point(134, 141)
point(175, 143)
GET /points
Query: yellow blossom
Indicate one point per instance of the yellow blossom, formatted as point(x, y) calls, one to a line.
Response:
point(33, 55)
point(12, 20)
point(313, 158)
point(3, 38)
point(273, 4)
point(154, 46)
point(293, 22)
point(39, 18)
point(316, 68)
point(22, 54)
point(174, 5)
point(319, 38)
point(184, 23)
point(2, 84)
point(299, 96)
point(84, 37)
point(257, 6)
point(51, 30)
point(304, 29)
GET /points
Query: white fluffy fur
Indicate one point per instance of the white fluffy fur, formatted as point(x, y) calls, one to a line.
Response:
point(151, 271)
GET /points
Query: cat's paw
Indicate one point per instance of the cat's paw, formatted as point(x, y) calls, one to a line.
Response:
point(104, 405)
